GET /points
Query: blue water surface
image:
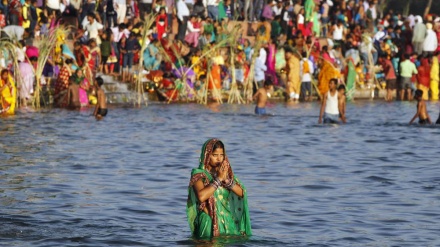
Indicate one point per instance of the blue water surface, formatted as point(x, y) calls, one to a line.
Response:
point(68, 180)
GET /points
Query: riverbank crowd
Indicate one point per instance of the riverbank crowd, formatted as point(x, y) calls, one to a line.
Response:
point(189, 49)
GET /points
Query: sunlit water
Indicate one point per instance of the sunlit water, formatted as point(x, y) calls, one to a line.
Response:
point(68, 180)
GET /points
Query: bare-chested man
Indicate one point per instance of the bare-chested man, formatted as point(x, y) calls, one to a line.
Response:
point(101, 106)
point(261, 96)
point(422, 113)
point(73, 95)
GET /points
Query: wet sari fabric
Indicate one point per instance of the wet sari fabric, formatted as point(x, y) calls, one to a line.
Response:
point(224, 213)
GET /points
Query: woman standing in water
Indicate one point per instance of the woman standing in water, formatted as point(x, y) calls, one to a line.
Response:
point(217, 200)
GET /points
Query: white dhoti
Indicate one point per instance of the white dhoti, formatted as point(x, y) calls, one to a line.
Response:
point(121, 11)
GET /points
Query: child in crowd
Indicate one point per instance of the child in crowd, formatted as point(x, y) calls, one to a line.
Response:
point(422, 113)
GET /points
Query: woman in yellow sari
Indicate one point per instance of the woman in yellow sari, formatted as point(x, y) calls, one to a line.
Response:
point(8, 93)
point(434, 78)
point(328, 71)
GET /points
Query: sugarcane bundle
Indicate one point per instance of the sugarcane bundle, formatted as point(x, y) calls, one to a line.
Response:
point(148, 23)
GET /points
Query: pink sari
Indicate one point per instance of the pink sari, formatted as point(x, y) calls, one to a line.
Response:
point(271, 63)
point(83, 98)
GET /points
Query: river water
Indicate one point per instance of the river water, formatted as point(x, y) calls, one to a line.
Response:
point(68, 180)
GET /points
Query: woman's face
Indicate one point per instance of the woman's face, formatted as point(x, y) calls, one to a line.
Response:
point(217, 157)
point(5, 76)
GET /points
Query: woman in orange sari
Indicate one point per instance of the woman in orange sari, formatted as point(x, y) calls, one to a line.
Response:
point(214, 78)
point(328, 71)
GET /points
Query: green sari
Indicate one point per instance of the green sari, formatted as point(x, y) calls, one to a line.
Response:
point(351, 80)
point(224, 213)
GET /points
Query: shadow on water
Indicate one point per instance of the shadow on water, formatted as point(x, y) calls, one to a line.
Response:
point(68, 180)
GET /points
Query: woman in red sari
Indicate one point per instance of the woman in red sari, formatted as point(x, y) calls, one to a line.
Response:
point(62, 84)
point(423, 77)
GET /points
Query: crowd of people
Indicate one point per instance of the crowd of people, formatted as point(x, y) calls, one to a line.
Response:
point(299, 45)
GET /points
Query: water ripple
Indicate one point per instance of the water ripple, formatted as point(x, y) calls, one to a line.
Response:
point(67, 180)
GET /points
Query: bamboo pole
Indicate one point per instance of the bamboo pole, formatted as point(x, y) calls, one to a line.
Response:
point(249, 85)
point(139, 87)
point(8, 47)
point(45, 48)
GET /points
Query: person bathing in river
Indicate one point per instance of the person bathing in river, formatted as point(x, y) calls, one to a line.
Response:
point(261, 96)
point(422, 113)
point(342, 100)
point(101, 106)
point(73, 102)
point(331, 108)
point(217, 200)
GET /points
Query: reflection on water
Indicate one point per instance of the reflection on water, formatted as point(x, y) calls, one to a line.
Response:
point(68, 180)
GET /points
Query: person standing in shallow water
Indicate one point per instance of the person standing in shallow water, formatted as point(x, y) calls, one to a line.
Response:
point(101, 106)
point(331, 107)
point(421, 113)
point(217, 200)
point(261, 96)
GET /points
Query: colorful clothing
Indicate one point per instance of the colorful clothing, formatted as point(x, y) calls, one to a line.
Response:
point(150, 57)
point(423, 78)
point(8, 96)
point(271, 63)
point(327, 72)
point(293, 76)
point(351, 80)
point(224, 213)
point(61, 87)
point(434, 78)
point(83, 97)
point(161, 25)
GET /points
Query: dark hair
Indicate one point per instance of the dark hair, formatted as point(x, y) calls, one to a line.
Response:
point(4, 71)
point(218, 144)
point(91, 14)
point(69, 61)
point(268, 82)
point(406, 56)
point(288, 49)
point(334, 80)
point(122, 26)
point(418, 93)
point(342, 86)
point(99, 81)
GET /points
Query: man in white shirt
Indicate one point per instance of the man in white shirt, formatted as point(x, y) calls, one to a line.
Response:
point(93, 27)
point(307, 70)
point(430, 44)
point(419, 34)
point(182, 17)
point(119, 32)
point(278, 8)
point(259, 70)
